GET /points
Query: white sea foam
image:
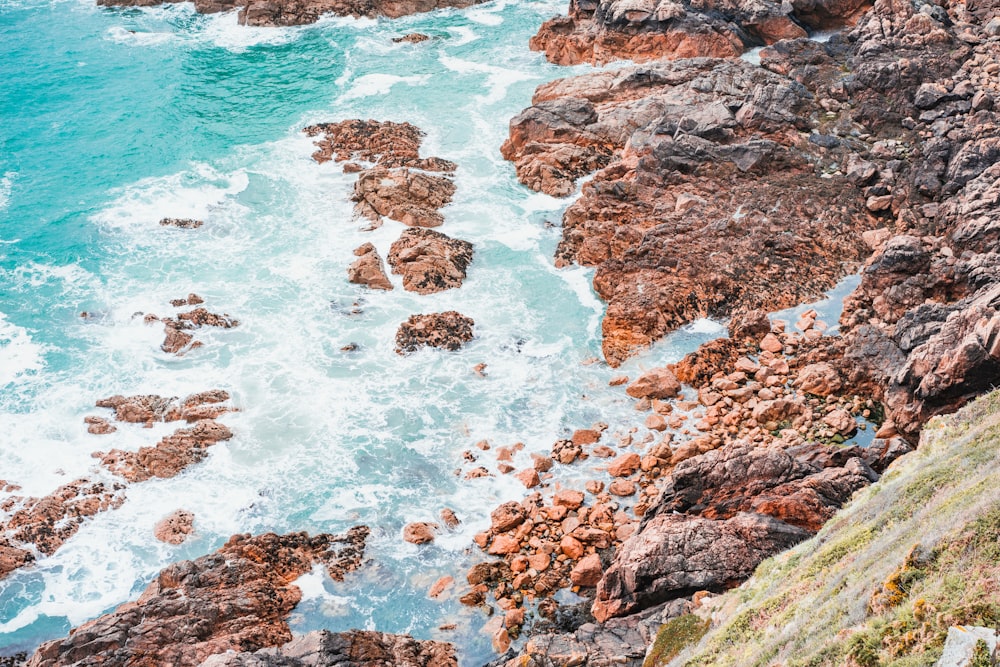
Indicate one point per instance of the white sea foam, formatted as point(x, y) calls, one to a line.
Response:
point(6, 187)
point(498, 79)
point(223, 30)
point(121, 35)
point(380, 84)
point(20, 356)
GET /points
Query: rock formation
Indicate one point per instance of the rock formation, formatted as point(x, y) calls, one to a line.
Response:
point(404, 195)
point(449, 330)
point(175, 527)
point(696, 208)
point(429, 261)
point(299, 12)
point(367, 269)
point(357, 648)
point(236, 599)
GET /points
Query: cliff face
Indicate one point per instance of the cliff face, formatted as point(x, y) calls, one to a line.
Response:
point(882, 583)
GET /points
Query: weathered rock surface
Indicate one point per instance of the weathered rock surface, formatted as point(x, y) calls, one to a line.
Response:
point(448, 330)
point(175, 527)
point(169, 456)
point(299, 12)
point(429, 261)
point(357, 648)
point(696, 209)
point(600, 31)
point(383, 143)
point(178, 330)
point(401, 194)
point(236, 599)
point(676, 555)
point(367, 269)
point(39, 526)
point(181, 223)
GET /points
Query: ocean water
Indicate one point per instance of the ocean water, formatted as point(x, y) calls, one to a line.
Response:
point(113, 119)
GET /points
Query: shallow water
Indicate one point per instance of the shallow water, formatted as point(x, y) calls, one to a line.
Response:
point(113, 119)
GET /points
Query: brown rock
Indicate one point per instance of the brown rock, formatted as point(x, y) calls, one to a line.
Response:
point(181, 223)
point(368, 270)
point(820, 379)
point(450, 520)
point(429, 261)
point(657, 383)
point(440, 586)
point(410, 197)
point(622, 487)
point(570, 499)
point(175, 527)
point(449, 330)
point(170, 456)
point(507, 517)
point(624, 465)
point(529, 477)
point(235, 599)
point(585, 437)
point(385, 143)
point(587, 572)
point(503, 545)
point(419, 532)
point(571, 547)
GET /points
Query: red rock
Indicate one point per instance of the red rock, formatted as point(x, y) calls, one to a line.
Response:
point(841, 421)
point(385, 143)
point(585, 437)
point(657, 383)
point(820, 379)
point(429, 261)
point(99, 426)
point(655, 422)
point(504, 544)
point(450, 520)
point(541, 463)
point(770, 343)
point(410, 197)
point(570, 499)
point(529, 477)
point(175, 527)
point(170, 456)
point(622, 487)
point(368, 270)
point(571, 547)
point(235, 599)
point(507, 516)
point(624, 465)
point(595, 486)
point(448, 330)
point(513, 618)
point(539, 562)
point(420, 532)
point(587, 572)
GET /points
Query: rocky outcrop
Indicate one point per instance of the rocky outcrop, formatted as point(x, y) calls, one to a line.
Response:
point(449, 331)
point(39, 526)
point(429, 261)
point(357, 648)
point(601, 31)
point(300, 12)
point(696, 208)
point(236, 599)
point(181, 223)
point(382, 143)
point(150, 408)
point(367, 269)
point(179, 338)
point(410, 197)
point(175, 527)
point(677, 555)
point(169, 456)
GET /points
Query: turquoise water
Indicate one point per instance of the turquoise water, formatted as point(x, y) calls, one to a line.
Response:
point(111, 120)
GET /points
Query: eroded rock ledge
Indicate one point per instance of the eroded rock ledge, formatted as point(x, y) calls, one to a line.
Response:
point(299, 12)
point(236, 599)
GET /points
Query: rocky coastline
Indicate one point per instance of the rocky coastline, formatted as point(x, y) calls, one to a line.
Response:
point(714, 187)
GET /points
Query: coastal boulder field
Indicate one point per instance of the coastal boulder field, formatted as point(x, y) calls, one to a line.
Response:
point(746, 158)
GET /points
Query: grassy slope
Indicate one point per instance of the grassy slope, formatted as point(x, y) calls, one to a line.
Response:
point(881, 583)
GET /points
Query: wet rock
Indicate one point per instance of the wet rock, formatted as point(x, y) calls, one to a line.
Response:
point(175, 527)
point(367, 269)
point(169, 456)
point(420, 532)
point(236, 599)
point(448, 330)
point(429, 261)
point(404, 195)
point(624, 465)
point(384, 143)
point(99, 425)
point(356, 648)
point(507, 516)
point(820, 379)
point(181, 223)
point(411, 38)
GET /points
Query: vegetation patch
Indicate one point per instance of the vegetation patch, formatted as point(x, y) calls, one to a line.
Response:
point(675, 635)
